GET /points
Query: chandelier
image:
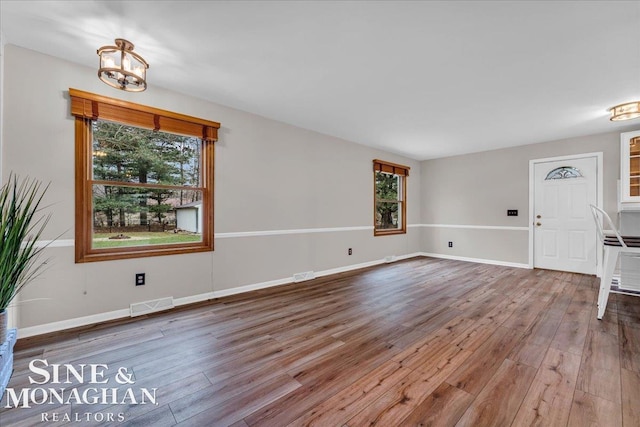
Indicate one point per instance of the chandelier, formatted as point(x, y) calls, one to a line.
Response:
point(122, 68)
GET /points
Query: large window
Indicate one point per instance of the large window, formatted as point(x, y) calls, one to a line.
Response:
point(390, 205)
point(144, 180)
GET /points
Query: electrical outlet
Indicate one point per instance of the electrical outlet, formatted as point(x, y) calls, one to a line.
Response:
point(350, 251)
point(512, 212)
point(140, 279)
point(450, 244)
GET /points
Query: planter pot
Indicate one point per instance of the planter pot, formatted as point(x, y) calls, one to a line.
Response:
point(6, 358)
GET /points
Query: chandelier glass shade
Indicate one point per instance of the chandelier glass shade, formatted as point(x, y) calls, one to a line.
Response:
point(628, 111)
point(122, 68)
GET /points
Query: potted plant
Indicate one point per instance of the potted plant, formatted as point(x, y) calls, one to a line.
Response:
point(21, 227)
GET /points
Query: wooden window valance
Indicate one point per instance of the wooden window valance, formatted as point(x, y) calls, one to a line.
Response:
point(382, 166)
point(91, 106)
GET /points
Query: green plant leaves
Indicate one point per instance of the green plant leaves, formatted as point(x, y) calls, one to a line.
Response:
point(20, 229)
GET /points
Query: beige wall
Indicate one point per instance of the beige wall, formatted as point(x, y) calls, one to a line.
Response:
point(269, 176)
point(477, 189)
point(320, 182)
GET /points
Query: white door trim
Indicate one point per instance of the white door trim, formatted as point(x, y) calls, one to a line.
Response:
point(599, 196)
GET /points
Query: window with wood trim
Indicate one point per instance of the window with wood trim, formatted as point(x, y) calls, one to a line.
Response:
point(144, 180)
point(390, 198)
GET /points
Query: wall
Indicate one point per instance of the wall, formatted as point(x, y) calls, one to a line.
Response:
point(287, 200)
point(12, 311)
point(477, 189)
point(274, 184)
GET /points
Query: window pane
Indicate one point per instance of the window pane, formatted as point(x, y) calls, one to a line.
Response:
point(127, 216)
point(130, 154)
point(387, 186)
point(387, 214)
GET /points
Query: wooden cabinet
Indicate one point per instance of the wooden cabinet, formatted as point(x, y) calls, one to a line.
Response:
point(630, 170)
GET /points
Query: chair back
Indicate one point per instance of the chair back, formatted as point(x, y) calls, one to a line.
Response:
point(599, 216)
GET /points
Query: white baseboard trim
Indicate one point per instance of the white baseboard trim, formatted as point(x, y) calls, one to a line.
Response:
point(193, 299)
point(477, 260)
point(279, 282)
point(252, 287)
point(363, 265)
point(72, 323)
point(119, 314)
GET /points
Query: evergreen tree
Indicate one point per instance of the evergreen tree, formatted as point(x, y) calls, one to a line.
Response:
point(129, 154)
point(387, 187)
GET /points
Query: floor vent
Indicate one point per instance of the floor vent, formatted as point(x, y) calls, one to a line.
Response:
point(301, 277)
point(390, 258)
point(146, 307)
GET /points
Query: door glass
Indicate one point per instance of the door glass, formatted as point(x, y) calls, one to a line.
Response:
point(564, 172)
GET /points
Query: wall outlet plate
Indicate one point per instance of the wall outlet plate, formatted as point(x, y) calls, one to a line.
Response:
point(140, 279)
point(512, 212)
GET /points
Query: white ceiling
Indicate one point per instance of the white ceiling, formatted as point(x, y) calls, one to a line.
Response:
point(423, 79)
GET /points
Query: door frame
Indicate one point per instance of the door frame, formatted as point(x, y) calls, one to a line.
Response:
point(599, 197)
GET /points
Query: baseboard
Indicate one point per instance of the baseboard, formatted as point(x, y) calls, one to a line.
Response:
point(477, 260)
point(191, 299)
point(363, 265)
point(123, 313)
point(279, 282)
point(72, 323)
point(252, 287)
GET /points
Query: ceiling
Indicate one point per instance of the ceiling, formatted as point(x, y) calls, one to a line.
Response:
point(423, 79)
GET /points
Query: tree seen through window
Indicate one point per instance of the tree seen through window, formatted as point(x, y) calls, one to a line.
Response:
point(390, 197)
point(387, 204)
point(127, 215)
point(143, 180)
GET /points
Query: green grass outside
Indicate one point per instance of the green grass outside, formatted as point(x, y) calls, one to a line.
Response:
point(141, 238)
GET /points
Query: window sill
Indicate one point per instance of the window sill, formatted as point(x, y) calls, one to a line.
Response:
point(139, 252)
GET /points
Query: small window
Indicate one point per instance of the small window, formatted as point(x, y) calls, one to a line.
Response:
point(564, 172)
point(390, 206)
point(144, 180)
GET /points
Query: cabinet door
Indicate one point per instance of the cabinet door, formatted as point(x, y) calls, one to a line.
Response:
point(630, 166)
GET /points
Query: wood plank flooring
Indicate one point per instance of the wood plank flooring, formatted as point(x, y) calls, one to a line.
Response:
point(422, 342)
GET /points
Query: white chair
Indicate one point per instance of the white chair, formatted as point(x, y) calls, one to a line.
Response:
point(614, 245)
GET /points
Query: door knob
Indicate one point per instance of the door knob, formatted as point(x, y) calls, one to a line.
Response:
point(538, 224)
point(538, 216)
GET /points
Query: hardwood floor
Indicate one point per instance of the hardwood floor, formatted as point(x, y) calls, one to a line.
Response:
point(423, 342)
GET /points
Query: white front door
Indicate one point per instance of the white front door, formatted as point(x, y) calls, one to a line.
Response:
point(564, 230)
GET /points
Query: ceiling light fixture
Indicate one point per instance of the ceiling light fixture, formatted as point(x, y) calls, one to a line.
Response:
point(122, 68)
point(628, 111)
